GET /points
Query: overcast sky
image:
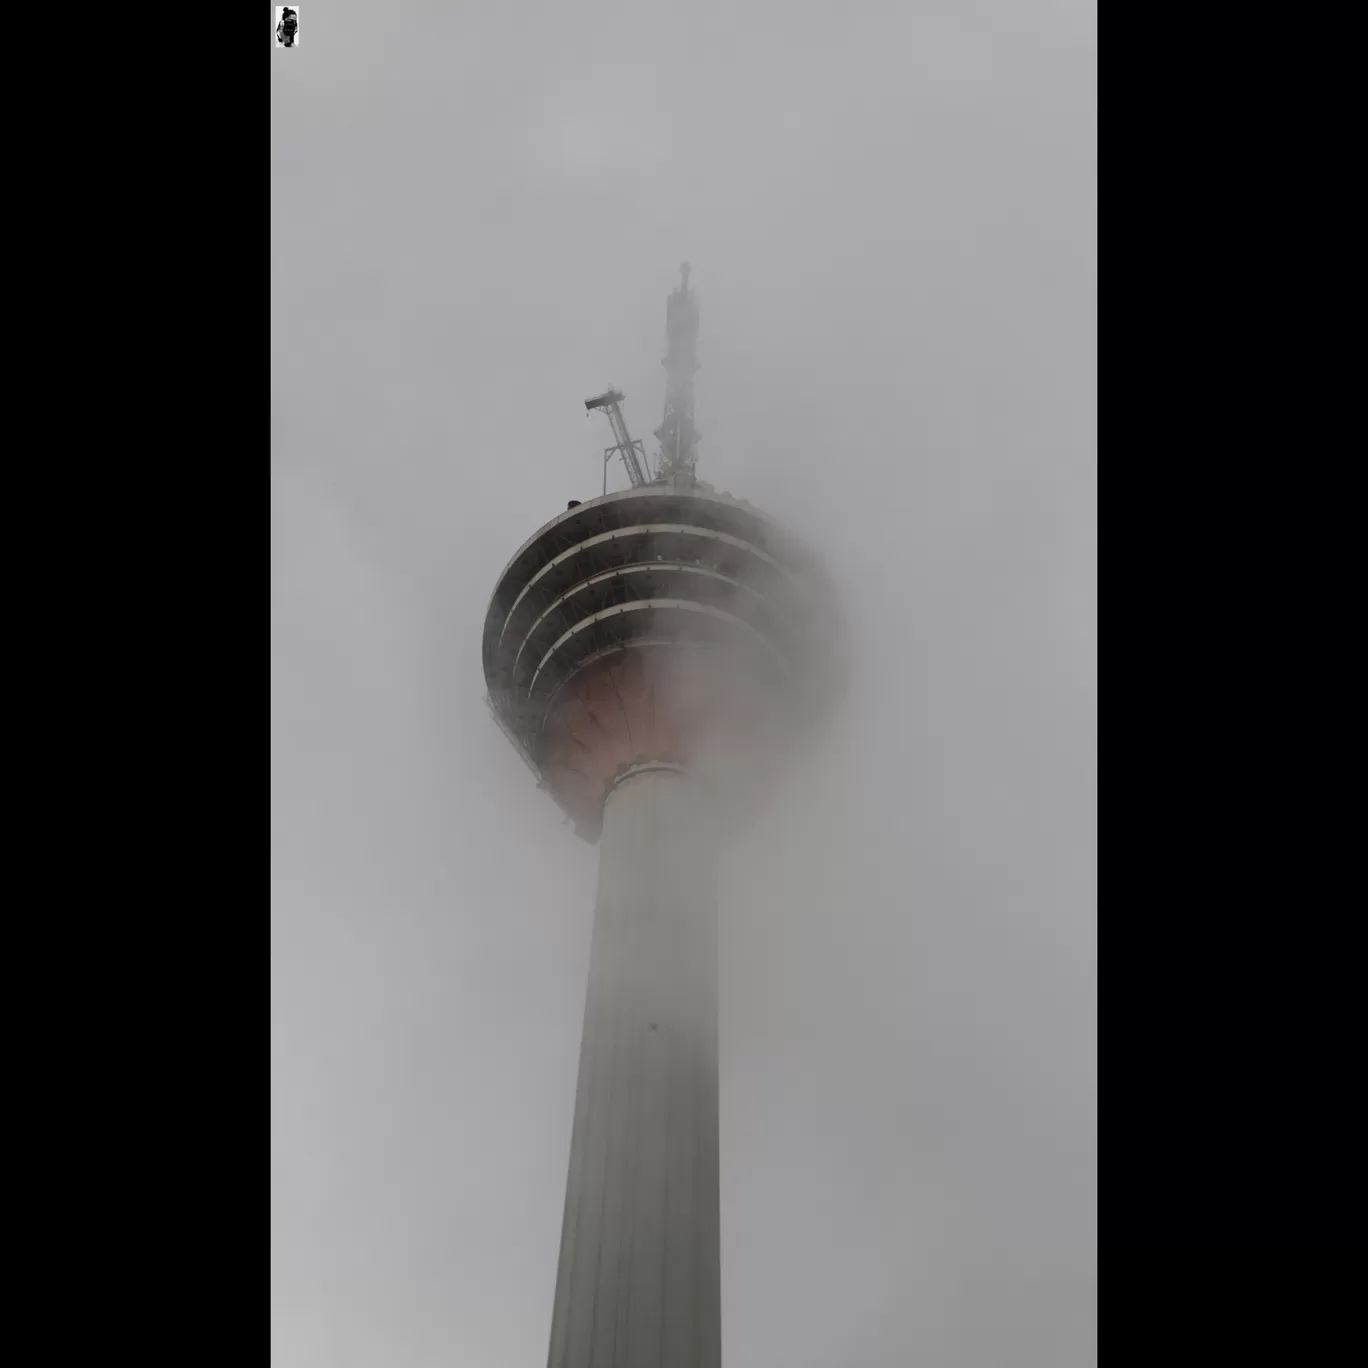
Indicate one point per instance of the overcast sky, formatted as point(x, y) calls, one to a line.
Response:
point(477, 213)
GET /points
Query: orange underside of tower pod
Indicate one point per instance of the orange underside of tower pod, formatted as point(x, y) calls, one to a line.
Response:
point(668, 624)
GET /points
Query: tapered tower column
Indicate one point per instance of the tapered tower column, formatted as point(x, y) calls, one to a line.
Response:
point(639, 1281)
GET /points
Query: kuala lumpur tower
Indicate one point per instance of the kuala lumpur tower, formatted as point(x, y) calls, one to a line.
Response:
point(653, 654)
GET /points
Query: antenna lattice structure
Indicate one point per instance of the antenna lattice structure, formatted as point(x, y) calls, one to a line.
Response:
point(676, 434)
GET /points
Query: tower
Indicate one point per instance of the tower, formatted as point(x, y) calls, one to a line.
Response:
point(651, 654)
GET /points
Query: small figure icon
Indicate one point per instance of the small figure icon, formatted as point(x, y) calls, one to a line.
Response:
point(288, 27)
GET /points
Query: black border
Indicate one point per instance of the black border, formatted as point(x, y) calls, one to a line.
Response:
point(154, 942)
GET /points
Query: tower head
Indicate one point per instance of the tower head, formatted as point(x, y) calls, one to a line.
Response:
point(667, 624)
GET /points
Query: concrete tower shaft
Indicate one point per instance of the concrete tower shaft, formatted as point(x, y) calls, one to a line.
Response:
point(640, 1277)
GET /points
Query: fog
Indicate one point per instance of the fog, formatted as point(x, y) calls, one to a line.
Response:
point(477, 216)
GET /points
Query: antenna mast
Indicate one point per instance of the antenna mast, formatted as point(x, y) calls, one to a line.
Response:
point(677, 435)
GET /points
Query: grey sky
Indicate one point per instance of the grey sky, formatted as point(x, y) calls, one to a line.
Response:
point(477, 213)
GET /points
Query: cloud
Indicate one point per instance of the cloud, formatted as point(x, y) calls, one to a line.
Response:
point(595, 140)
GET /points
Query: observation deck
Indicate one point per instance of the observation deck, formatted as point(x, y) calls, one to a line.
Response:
point(605, 637)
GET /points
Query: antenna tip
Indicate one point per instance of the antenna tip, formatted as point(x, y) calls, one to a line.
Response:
point(684, 269)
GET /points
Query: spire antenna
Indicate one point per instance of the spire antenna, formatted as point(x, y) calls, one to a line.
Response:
point(676, 434)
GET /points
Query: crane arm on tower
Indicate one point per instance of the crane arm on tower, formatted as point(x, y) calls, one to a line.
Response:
point(632, 452)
